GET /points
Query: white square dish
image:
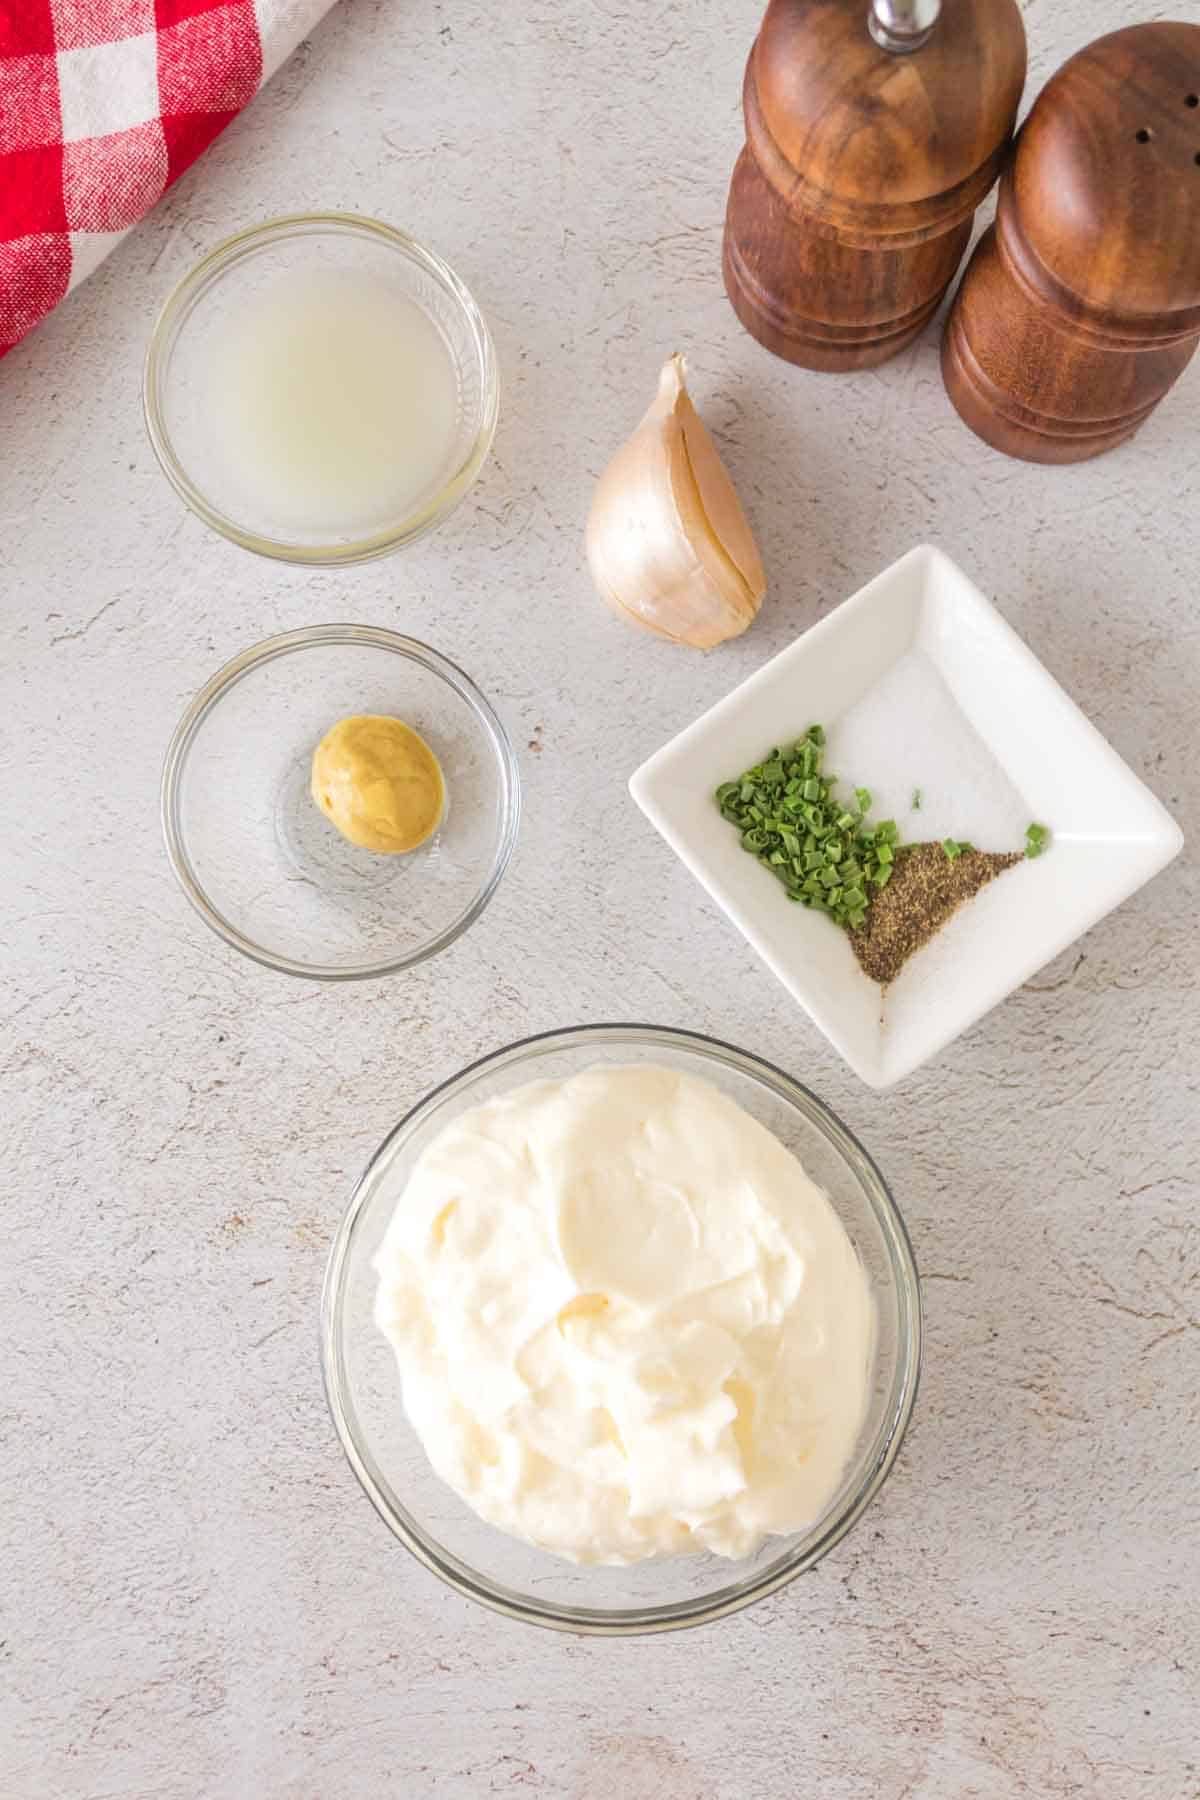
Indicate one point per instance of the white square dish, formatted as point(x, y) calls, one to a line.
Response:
point(920, 685)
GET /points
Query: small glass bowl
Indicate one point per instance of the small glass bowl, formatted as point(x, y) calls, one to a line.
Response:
point(263, 865)
point(363, 1387)
point(179, 395)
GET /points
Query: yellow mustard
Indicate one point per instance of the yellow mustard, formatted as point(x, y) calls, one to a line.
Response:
point(378, 781)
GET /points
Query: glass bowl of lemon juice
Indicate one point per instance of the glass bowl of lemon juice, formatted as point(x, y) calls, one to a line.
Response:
point(321, 388)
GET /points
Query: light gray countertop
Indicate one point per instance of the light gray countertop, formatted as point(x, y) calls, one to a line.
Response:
point(197, 1600)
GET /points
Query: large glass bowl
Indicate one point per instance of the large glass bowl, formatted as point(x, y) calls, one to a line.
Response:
point(363, 1385)
point(182, 397)
point(263, 865)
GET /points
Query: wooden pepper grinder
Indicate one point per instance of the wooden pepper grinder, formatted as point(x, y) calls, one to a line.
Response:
point(1081, 306)
point(873, 130)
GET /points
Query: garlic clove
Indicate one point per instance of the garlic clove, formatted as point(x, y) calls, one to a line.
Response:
point(668, 543)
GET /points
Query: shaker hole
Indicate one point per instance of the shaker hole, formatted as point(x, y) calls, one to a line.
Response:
point(1192, 100)
point(1198, 159)
point(1143, 136)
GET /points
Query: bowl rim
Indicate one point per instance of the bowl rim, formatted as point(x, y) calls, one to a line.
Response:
point(731, 1598)
point(195, 285)
point(284, 644)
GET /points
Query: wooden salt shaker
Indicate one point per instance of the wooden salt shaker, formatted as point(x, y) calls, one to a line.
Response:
point(873, 130)
point(1081, 306)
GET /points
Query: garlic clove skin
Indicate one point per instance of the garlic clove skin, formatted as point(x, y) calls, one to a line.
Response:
point(668, 544)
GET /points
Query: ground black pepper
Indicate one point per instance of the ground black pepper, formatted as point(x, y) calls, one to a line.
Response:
point(926, 888)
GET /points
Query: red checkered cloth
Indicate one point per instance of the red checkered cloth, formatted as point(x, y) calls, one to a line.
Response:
point(103, 104)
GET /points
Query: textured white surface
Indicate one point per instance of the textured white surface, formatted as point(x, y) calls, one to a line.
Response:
point(196, 1599)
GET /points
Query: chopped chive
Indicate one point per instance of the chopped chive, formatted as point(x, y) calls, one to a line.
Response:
point(788, 815)
point(1036, 839)
point(916, 800)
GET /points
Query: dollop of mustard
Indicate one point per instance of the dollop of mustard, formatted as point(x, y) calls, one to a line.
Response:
point(378, 781)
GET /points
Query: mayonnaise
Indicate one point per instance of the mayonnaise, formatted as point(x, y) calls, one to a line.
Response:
point(627, 1321)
